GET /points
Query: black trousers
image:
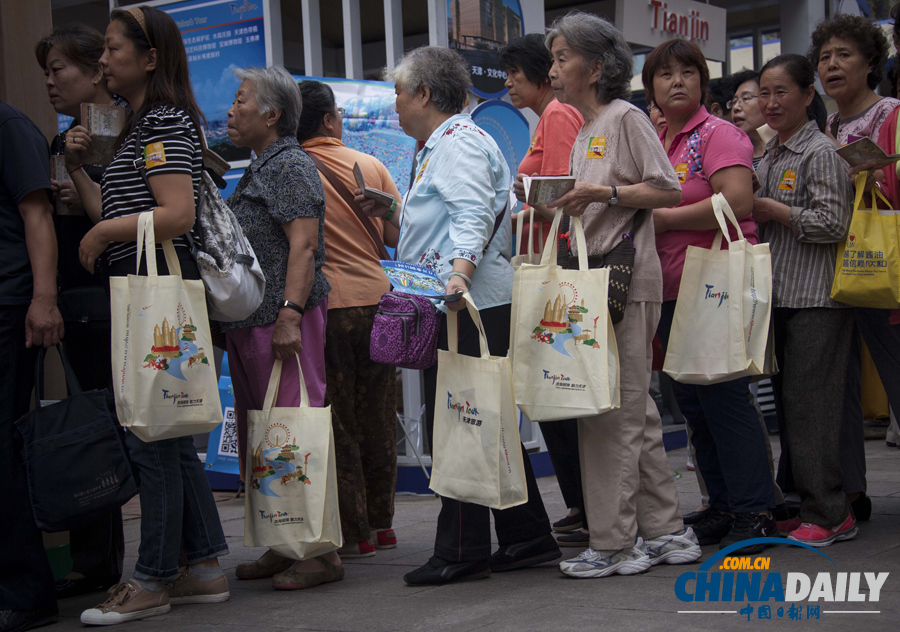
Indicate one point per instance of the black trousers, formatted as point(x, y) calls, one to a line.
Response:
point(98, 548)
point(26, 581)
point(464, 529)
point(561, 438)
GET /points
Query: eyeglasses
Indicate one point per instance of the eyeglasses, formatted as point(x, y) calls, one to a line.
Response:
point(744, 100)
point(651, 107)
point(342, 112)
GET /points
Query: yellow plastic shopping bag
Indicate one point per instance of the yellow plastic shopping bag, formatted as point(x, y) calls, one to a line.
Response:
point(867, 272)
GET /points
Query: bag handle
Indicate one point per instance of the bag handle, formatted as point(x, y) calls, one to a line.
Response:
point(275, 381)
point(344, 192)
point(580, 243)
point(722, 211)
point(146, 236)
point(71, 379)
point(860, 183)
point(453, 328)
point(551, 246)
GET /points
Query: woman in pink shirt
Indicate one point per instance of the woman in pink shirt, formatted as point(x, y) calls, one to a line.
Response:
point(710, 155)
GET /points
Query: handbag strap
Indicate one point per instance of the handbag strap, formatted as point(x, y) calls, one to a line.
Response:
point(71, 380)
point(453, 328)
point(275, 381)
point(344, 192)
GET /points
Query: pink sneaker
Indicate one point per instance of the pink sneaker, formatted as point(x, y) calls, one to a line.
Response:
point(814, 535)
point(366, 548)
point(385, 539)
point(786, 526)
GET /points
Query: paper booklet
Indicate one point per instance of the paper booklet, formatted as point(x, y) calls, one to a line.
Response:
point(59, 173)
point(865, 150)
point(385, 199)
point(544, 189)
point(766, 133)
point(412, 278)
point(104, 123)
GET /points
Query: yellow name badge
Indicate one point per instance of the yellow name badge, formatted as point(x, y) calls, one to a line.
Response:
point(681, 172)
point(788, 180)
point(596, 147)
point(154, 155)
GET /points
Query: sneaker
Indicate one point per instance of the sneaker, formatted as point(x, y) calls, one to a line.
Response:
point(294, 579)
point(188, 589)
point(690, 464)
point(437, 572)
point(21, 620)
point(127, 601)
point(694, 517)
point(266, 566)
point(714, 526)
point(569, 523)
point(366, 548)
point(675, 548)
point(593, 563)
point(524, 554)
point(786, 526)
point(747, 526)
point(577, 538)
point(385, 539)
point(814, 535)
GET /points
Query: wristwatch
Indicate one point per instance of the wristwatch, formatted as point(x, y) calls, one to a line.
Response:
point(614, 198)
point(293, 306)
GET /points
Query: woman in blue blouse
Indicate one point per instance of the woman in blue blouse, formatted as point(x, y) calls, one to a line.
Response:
point(459, 195)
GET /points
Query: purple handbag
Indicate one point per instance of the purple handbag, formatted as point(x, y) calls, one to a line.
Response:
point(405, 332)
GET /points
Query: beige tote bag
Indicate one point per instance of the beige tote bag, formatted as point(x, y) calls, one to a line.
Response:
point(720, 330)
point(476, 456)
point(564, 354)
point(291, 505)
point(532, 257)
point(164, 377)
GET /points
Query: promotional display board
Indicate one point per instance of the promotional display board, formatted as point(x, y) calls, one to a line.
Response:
point(507, 127)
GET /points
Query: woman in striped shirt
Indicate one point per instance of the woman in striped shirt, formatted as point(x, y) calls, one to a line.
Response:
point(803, 208)
point(145, 63)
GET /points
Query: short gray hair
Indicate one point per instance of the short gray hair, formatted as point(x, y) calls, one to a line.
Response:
point(444, 71)
point(276, 89)
point(595, 39)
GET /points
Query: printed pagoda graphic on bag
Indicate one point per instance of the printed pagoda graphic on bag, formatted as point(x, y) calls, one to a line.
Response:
point(562, 320)
point(174, 345)
point(276, 462)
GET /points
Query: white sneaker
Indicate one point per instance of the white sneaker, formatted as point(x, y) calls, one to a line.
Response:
point(675, 548)
point(602, 563)
point(127, 602)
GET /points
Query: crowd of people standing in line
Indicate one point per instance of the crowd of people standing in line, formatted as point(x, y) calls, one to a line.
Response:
point(655, 180)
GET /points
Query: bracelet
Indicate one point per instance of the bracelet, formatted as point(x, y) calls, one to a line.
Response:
point(463, 277)
point(287, 304)
point(71, 171)
point(390, 212)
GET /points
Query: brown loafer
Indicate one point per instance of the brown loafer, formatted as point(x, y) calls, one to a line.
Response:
point(293, 579)
point(268, 565)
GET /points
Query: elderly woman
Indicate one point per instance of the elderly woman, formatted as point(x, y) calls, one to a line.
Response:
point(363, 393)
point(628, 485)
point(455, 221)
point(850, 53)
point(70, 60)
point(280, 206)
point(710, 155)
point(527, 62)
point(803, 225)
point(745, 110)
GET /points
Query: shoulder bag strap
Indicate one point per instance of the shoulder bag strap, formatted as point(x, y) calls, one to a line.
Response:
point(497, 224)
point(344, 192)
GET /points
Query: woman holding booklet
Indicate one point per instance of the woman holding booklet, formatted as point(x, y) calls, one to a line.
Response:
point(145, 63)
point(458, 226)
point(629, 494)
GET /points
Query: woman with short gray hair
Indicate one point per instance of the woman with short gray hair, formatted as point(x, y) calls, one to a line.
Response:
point(622, 171)
point(456, 221)
point(280, 205)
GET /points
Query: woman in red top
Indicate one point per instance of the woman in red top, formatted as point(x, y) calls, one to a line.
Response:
point(527, 62)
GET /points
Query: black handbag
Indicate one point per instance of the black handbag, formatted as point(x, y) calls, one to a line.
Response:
point(74, 454)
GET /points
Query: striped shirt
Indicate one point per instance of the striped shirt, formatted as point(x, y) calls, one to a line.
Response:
point(171, 145)
point(806, 174)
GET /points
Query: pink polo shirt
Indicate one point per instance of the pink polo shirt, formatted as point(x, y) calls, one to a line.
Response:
point(705, 145)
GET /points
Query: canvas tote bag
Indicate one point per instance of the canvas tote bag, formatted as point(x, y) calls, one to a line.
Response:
point(476, 456)
point(531, 257)
point(164, 379)
point(564, 354)
point(720, 329)
point(291, 505)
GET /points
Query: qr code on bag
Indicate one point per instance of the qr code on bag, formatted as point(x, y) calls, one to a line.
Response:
point(228, 444)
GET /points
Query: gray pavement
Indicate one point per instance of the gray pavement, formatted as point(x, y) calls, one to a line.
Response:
point(373, 597)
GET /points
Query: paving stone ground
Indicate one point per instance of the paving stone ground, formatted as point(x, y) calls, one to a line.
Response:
point(373, 597)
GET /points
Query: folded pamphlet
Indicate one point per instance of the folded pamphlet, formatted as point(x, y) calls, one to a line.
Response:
point(544, 189)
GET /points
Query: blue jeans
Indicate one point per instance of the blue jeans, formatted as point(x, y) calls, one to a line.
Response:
point(727, 435)
point(177, 507)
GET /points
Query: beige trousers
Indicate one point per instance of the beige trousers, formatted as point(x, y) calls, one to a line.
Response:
point(629, 487)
